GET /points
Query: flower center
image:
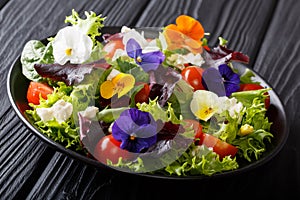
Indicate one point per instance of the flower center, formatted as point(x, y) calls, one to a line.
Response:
point(131, 137)
point(139, 59)
point(68, 51)
point(208, 111)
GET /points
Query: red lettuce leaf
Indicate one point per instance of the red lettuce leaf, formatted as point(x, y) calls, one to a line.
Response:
point(69, 73)
point(221, 55)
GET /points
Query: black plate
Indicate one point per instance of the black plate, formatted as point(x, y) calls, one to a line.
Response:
point(276, 114)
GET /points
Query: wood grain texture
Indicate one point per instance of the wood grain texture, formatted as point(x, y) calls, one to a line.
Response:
point(268, 31)
point(279, 62)
point(23, 155)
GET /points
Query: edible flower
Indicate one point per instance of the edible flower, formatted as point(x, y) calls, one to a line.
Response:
point(187, 33)
point(188, 26)
point(231, 80)
point(204, 104)
point(179, 60)
point(136, 129)
point(117, 83)
point(148, 61)
point(222, 81)
point(70, 44)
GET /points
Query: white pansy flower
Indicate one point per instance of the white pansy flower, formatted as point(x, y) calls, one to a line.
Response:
point(232, 105)
point(128, 33)
point(125, 29)
point(147, 46)
point(204, 104)
point(163, 41)
point(179, 60)
point(70, 44)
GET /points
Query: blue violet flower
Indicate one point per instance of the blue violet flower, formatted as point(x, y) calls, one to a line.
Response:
point(137, 130)
point(148, 61)
point(222, 82)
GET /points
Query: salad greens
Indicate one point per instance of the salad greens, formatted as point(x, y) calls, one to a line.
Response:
point(169, 105)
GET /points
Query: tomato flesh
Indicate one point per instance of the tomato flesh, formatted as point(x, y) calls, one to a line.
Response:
point(253, 86)
point(109, 149)
point(193, 76)
point(220, 147)
point(37, 89)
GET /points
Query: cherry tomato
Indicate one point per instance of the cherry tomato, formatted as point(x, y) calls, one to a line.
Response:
point(222, 148)
point(253, 86)
point(197, 128)
point(109, 149)
point(37, 89)
point(143, 94)
point(111, 47)
point(193, 75)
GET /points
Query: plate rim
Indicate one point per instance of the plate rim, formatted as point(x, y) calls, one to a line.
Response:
point(77, 156)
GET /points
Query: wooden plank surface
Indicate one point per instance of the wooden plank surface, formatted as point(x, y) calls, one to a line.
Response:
point(268, 31)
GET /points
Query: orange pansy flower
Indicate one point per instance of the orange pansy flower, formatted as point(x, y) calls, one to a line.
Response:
point(187, 33)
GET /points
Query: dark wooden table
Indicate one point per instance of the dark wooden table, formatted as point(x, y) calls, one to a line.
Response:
point(266, 30)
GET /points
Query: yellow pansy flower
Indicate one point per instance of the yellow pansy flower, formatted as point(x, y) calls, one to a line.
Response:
point(120, 83)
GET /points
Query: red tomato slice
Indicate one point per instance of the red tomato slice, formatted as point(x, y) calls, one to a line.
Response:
point(220, 147)
point(253, 86)
point(143, 94)
point(109, 148)
point(111, 47)
point(36, 89)
point(193, 76)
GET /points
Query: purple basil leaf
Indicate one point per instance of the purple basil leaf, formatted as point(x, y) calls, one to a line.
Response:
point(213, 81)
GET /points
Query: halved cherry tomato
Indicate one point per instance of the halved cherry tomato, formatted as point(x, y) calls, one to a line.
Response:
point(143, 94)
point(36, 89)
point(109, 149)
point(222, 148)
point(111, 47)
point(193, 76)
point(253, 86)
point(197, 128)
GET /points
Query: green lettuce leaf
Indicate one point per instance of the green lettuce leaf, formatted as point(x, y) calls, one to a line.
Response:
point(34, 52)
point(200, 160)
point(159, 113)
point(254, 144)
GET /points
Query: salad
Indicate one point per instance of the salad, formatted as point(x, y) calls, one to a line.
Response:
point(167, 104)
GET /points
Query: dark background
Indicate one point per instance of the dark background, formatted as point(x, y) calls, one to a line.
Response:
point(266, 30)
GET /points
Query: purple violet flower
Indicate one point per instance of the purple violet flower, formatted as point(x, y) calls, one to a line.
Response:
point(148, 61)
point(222, 82)
point(137, 130)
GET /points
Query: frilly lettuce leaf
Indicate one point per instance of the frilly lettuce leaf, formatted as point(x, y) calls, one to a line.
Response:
point(196, 160)
point(253, 144)
point(159, 113)
point(201, 160)
point(90, 26)
point(65, 133)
